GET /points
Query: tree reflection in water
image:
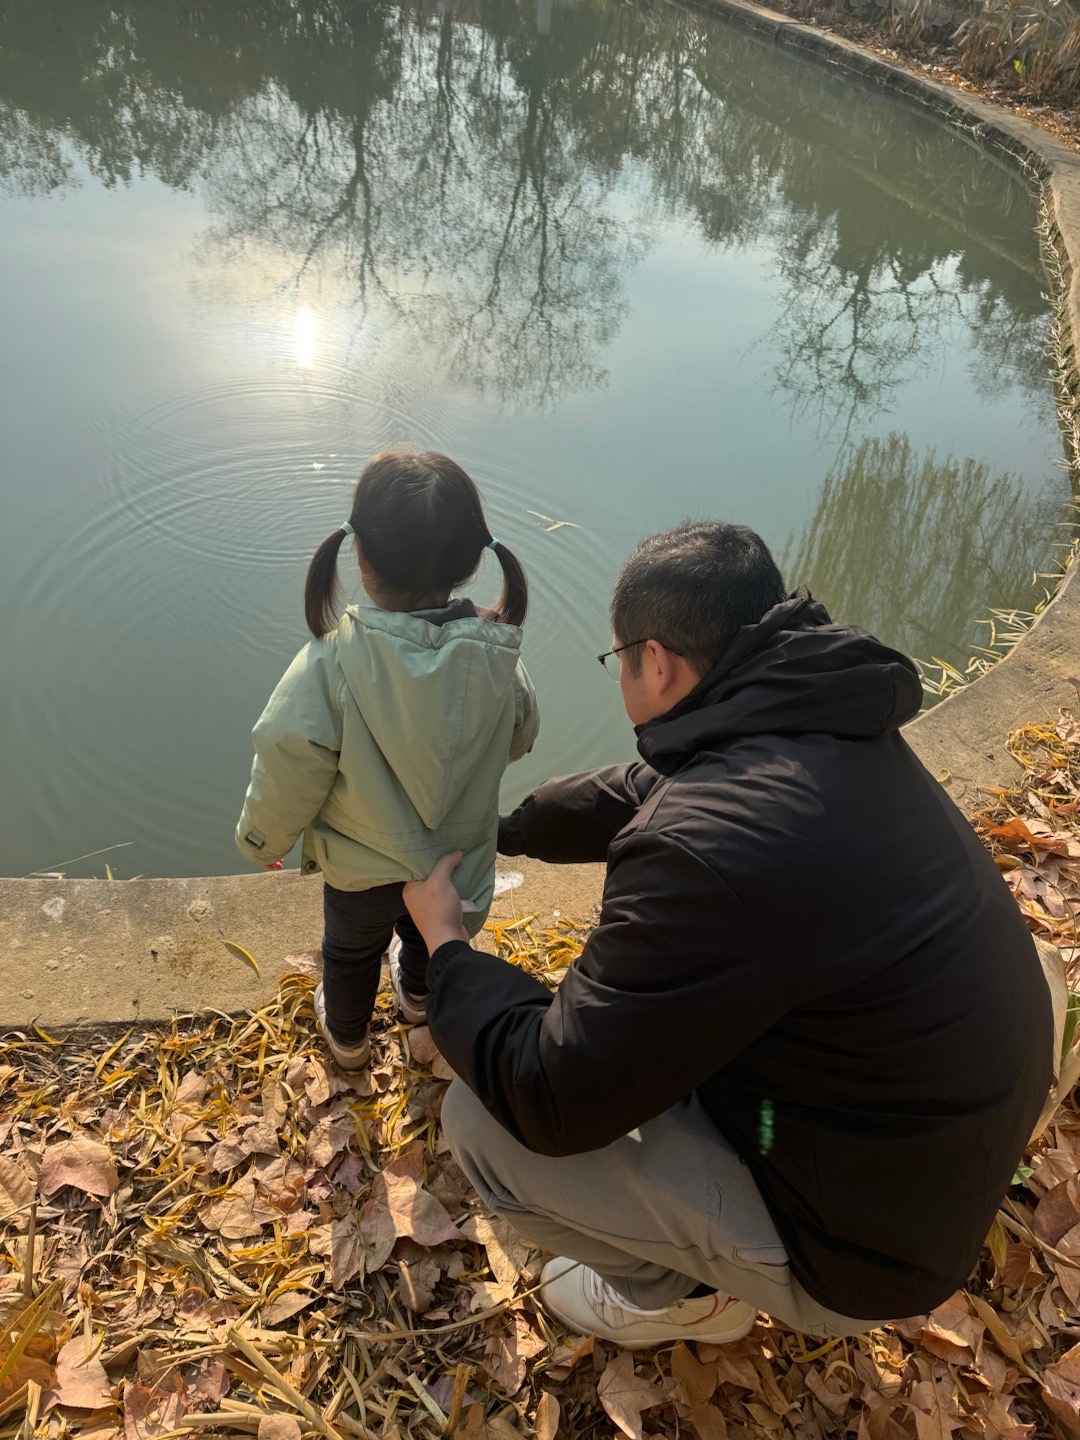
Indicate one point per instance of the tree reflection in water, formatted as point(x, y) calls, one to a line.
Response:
point(473, 173)
point(900, 542)
point(489, 187)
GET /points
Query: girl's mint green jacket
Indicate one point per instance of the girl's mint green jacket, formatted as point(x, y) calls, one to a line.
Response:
point(384, 744)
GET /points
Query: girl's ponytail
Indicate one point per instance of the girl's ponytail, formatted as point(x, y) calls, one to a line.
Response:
point(514, 600)
point(321, 587)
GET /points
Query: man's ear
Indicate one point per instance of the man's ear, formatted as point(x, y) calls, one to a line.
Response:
point(662, 665)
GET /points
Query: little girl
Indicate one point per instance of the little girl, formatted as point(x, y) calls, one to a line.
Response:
point(386, 740)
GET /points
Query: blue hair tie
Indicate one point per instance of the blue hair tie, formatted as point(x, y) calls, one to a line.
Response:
point(491, 543)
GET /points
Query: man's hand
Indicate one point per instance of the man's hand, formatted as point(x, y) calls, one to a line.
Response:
point(435, 905)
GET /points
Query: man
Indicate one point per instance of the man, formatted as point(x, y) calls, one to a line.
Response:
point(800, 1056)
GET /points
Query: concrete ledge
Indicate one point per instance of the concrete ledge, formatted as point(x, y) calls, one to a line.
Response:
point(81, 953)
point(98, 953)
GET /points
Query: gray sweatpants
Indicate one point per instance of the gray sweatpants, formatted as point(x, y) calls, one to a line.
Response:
point(665, 1208)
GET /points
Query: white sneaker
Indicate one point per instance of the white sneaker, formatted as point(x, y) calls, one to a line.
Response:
point(346, 1057)
point(588, 1305)
point(411, 1008)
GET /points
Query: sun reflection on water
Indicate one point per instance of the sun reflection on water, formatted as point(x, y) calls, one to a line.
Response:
point(304, 335)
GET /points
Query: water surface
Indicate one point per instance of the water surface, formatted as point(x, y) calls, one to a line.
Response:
point(625, 263)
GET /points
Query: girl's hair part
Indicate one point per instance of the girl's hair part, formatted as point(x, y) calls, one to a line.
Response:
point(321, 587)
point(420, 524)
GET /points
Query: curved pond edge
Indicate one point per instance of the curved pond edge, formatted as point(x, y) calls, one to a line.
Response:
point(962, 739)
point(102, 954)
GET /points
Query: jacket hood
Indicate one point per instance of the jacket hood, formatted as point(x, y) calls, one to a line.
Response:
point(794, 673)
point(432, 695)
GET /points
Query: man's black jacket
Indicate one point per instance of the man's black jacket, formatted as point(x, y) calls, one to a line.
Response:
point(798, 924)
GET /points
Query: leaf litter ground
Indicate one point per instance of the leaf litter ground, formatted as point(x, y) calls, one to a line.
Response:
point(209, 1229)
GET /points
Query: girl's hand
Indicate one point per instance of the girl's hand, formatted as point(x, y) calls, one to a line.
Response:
point(277, 865)
point(435, 905)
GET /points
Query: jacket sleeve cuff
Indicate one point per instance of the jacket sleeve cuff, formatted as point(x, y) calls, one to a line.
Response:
point(510, 840)
point(442, 957)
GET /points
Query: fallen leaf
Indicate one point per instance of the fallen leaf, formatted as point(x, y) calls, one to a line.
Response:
point(210, 1385)
point(329, 1137)
point(567, 1358)
point(709, 1422)
point(242, 954)
point(694, 1382)
point(399, 1206)
point(546, 1424)
point(80, 1162)
point(507, 1253)
point(1020, 1272)
point(952, 1333)
point(16, 1188)
point(278, 1427)
point(81, 1382)
point(1061, 1389)
point(420, 1274)
point(625, 1396)
point(477, 1427)
point(240, 1213)
point(1058, 1211)
point(286, 1306)
point(150, 1411)
point(508, 1352)
point(343, 1243)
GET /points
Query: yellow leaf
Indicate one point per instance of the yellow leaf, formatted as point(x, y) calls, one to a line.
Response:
point(242, 954)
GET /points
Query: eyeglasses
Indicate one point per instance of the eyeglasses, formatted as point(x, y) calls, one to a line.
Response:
point(612, 666)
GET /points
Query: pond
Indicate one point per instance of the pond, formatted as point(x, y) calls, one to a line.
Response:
point(626, 263)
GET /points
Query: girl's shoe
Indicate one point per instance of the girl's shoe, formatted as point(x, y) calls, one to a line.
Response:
point(346, 1057)
point(411, 1008)
point(587, 1304)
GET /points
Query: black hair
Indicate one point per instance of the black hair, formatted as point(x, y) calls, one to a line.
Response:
point(692, 589)
point(420, 523)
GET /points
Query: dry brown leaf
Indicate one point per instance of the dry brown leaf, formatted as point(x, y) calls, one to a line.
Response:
point(150, 1411)
point(709, 1422)
point(80, 1162)
point(399, 1207)
point(1058, 1211)
point(507, 1253)
point(286, 1306)
point(419, 1273)
point(27, 1369)
point(1061, 1390)
point(17, 1188)
point(509, 1351)
point(278, 1427)
point(566, 1358)
point(695, 1382)
point(733, 1365)
point(477, 1427)
point(240, 1213)
point(329, 1137)
point(209, 1386)
point(342, 1242)
point(1020, 1272)
point(81, 1382)
point(952, 1333)
point(546, 1424)
point(625, 1396)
